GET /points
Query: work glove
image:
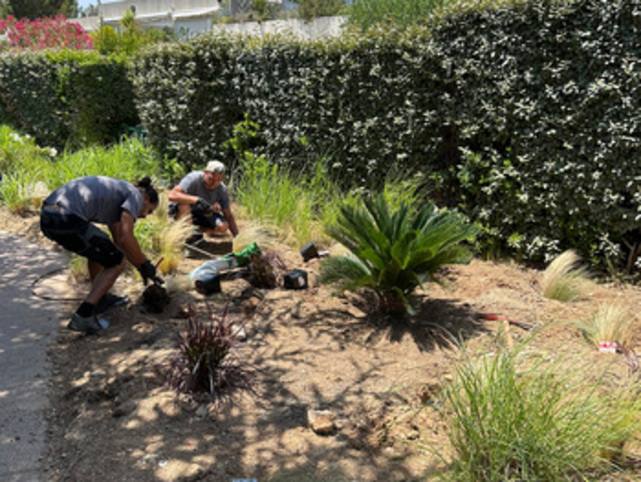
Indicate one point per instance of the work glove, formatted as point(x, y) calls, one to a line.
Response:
point(148, 273)
point(203, 205)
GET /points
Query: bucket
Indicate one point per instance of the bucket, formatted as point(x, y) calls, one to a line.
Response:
point(206, 278)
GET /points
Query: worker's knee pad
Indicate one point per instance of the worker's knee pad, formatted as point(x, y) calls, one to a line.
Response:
point(104, 251)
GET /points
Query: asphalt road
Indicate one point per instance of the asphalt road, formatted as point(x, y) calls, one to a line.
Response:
point(27, 326)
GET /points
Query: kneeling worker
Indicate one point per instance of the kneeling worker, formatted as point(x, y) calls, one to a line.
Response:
point(204, 195)
point(66, 218)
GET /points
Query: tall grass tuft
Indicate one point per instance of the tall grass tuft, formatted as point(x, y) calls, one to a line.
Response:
point(517, 421)
point(610, 322)
point(28, 173)
point(565, 279)
point(290, 202)
point(160, 236)
point(261, 234)
point(129, 160)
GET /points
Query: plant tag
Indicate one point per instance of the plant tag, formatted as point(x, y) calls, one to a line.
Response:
point(608, 346)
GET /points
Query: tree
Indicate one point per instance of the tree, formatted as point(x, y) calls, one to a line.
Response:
point(33, 9)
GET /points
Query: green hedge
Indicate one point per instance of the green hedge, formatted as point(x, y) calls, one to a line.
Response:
point(547, 116)
point(67, 98)
point(187, 97)
point(523, 113)
point(368, 103)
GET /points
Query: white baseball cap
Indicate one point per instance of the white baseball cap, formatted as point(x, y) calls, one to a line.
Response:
point(215, 166)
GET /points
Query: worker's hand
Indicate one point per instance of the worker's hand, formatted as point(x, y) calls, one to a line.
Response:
point(148, 273)
point(203, 205)
point(216, 207)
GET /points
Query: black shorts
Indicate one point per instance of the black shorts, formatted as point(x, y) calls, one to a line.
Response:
point(79, 236)
point(199, 218)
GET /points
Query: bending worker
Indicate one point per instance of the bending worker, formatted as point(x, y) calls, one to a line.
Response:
point(204, 195)
point(66, 218)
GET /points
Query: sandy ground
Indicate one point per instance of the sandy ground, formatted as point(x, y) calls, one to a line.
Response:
point(376, 378)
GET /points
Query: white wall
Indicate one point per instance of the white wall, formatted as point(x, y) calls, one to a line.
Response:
point(319, 27)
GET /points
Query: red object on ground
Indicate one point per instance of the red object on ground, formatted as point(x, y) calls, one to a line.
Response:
point(521, 324)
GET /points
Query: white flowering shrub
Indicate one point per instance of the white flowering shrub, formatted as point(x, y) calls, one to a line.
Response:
point(547, 120)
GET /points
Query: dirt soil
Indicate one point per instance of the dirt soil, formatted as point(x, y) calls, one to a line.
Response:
point(376, 379)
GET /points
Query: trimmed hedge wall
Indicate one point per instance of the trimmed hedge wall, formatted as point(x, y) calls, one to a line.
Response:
point(67, 98)
point(368, 104)
point(547, 114)
point(524, 114)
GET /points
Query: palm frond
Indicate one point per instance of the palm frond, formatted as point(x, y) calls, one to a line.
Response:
point(394, 252)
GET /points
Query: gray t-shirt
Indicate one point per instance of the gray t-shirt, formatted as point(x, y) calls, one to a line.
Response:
point(98, 199)
point(194, 185)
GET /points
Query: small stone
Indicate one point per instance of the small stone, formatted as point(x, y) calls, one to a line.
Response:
point(202, 411)
point(321, 421)
point(124, 409)
point(240, 333)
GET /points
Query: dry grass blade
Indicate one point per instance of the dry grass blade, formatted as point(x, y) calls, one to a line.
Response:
point(171, 241)
point(260, 234)
point(611, 322)
point(565, 279)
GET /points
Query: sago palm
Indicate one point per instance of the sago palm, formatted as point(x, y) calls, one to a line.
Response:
point(392, 253)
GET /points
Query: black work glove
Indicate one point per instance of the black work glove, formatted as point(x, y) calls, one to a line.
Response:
point(148, 272)
point(203, 205)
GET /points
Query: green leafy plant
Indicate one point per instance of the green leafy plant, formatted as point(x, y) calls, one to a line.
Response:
point(394, 252)
point(402, 13)
point(311, 9)
point(565, 279)
point(513, 419)
point(129, 38)
point(205, 361)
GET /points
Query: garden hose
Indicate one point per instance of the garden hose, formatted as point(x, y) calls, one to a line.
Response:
point(49, 298)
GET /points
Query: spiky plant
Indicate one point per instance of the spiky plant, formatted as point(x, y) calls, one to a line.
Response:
point(265, 269)
point(394, 252)
point(565, 279)
point(206, 361)
point(610, 322)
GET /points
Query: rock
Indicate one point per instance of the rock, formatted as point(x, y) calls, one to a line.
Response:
point(124, 409)
point(321, 421)
point(202, 411)
point(239, 333)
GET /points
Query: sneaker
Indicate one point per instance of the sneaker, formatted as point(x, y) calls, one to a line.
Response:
point(89, 325)
point(110, 301)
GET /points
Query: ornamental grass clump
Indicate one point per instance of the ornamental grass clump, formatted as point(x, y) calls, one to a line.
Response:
point(206, 360)
point(513, 418)
point(565, 279)
point(611, 322)
point(393, 252)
